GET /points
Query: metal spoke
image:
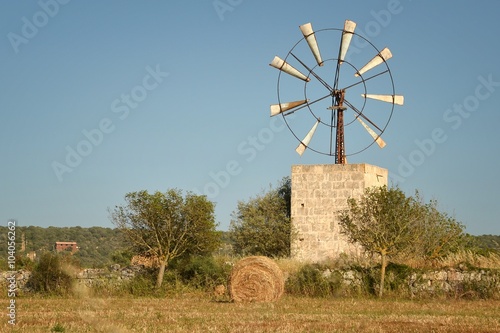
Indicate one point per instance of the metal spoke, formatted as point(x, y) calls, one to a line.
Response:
point(364, 80)
point(314, 74)
point(303, 106)
point(361, 114)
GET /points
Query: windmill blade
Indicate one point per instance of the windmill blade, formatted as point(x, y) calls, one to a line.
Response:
point(282, 65)
point(308, 33)
point(304, 143)
point(383, 56)
point(347, 34)
point(282, 107)
point(375, 136)
point(395, 99)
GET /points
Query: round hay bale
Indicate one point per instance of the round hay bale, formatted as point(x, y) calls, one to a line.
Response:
point(256, 279)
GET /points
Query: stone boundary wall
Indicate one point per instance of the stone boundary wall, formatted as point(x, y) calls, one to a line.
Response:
point(88, 276)
point(455, 282)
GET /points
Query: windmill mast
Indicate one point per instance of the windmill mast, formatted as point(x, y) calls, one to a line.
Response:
point(339, 138)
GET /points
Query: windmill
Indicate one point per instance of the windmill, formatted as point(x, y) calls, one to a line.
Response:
point(336, 92)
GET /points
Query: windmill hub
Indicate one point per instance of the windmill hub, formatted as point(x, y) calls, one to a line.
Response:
point(337, 107)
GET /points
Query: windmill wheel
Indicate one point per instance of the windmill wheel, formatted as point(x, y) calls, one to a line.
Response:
point(341, 92)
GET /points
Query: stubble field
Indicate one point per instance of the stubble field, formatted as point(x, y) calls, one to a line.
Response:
point(197, 313)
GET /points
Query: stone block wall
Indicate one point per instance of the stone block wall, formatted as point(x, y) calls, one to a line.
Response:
point(319, 192)
point(89, 277)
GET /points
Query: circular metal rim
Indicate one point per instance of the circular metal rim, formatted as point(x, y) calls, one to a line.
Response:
point(388, 72)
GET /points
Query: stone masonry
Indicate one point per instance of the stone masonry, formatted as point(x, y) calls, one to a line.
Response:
point(319, 192)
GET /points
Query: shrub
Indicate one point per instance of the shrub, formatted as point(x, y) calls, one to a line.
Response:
point(310, 281)
point(203, 272)
point(50, 276)
point(485, 288)
point(4, 266)
point(122, 257)
point(23, 262)
point(141, 284)
point(397, 278)
point(58, 328)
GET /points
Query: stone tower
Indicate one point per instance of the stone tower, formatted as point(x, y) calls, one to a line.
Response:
point(319, 192)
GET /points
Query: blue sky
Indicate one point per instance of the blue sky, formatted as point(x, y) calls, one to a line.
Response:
point(98, 99)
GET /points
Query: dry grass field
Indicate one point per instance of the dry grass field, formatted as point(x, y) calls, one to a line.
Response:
point(198, 313)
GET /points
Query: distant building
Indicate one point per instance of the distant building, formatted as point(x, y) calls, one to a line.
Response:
point(66, 246)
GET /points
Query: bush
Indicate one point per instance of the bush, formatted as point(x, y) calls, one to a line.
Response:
point(4, 265)
point(316, 280)
point(122, 257)
point(203, 272)
point(310, 281)
point(141, 284)
point(23, 262)
point(397, 278)
point(475, 290)
point(58, 328)
point(50, 275)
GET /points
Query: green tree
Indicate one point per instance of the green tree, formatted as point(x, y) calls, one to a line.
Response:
point(381, 222)
point(262, 225)
point(167, 225)
point(285, 193)
point(436, 234)
point(386, 222)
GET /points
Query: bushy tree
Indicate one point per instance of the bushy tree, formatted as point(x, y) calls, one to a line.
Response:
point(262, 226)
point(381, 222)
point(436, 234)
point(387, 222)
point(167, 225)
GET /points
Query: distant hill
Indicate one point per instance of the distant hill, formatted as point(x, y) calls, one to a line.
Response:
point(100, 247)
point(97, 245)
point(490, 242)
